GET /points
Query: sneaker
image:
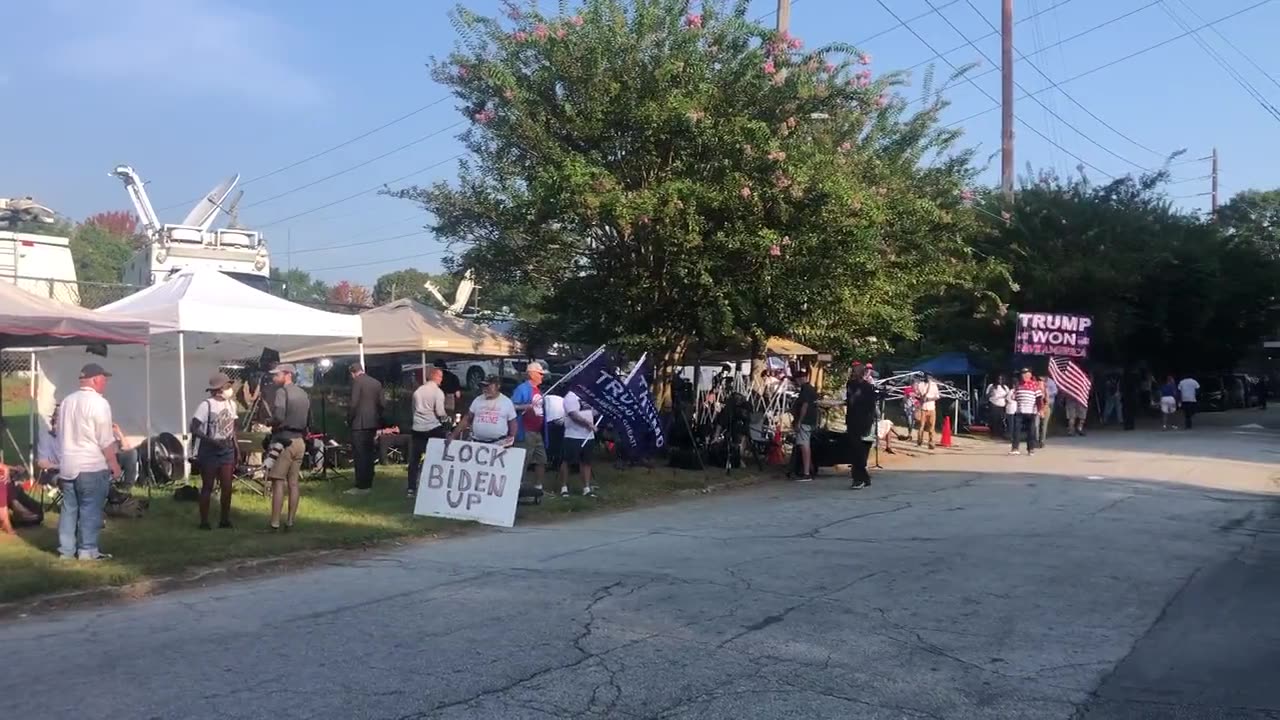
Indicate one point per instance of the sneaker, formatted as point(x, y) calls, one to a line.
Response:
point(588, 492)
point(564, 491)
point(1014, 452)
point(537, 486)
point(95, 558)
point(805, 478)
point(859, 485)
point(411, 494)
point(205, 526)
point(930, 446)
point(357, 491)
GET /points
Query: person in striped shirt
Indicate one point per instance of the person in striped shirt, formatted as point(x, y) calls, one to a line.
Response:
point(1029, 398)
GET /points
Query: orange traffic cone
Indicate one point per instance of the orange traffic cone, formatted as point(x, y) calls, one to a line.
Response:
point(775, 456)
point(946, 432)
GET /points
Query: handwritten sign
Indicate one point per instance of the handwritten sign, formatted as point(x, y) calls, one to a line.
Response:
point(470, 481)
point(1052, 334)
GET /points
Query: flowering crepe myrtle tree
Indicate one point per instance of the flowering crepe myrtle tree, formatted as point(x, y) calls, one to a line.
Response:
point(669, 172)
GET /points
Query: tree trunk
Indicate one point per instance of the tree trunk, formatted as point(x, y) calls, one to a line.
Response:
point(664, 372)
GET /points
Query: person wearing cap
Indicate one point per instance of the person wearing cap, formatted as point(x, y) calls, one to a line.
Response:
point(1028, 398)
point(290, 416)
point(860, 420)
point(804, 415)
point(365, 417)
point(214, 427)
point(491, 418)
point(87, 462)
point(527, 400)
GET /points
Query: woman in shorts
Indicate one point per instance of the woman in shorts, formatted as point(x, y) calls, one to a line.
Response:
point(1168, 403)
point(214, 424)
point(579, 442)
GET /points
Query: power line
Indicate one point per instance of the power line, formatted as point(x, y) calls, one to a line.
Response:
point(322, 153)
point(1066, 94)
point(1233, 46)
point(981, 37)
point(1187, 180)
point(353, 196)
point(357, 166)
point(989, 96)
point(1126, 58)
point(377, 262)
point(921, 16)
point(339, 246)
point(1223, 63)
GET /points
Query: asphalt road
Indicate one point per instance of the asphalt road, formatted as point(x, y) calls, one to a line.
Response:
point(1124, 575)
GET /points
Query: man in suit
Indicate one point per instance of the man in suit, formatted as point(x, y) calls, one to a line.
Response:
point(365, 418)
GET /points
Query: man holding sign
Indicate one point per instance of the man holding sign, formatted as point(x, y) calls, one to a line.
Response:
point(579, 442)
point(491, 418)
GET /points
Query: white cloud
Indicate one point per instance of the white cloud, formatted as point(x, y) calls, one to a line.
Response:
point(199, 49)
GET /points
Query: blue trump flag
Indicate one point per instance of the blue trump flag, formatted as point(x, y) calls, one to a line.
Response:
point(639, 388)
point(596, 383)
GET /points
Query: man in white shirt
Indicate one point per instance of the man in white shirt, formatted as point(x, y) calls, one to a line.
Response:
point(491, 418)
point(579, 442)
point(428, 422)
point(87, 450)
point(1188, 390)
point(927, 394)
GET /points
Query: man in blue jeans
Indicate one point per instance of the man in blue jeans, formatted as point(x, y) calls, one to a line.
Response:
point(87, 449)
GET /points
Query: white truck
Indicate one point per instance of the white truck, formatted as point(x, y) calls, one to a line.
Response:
point(37, 263)
point(194, 243)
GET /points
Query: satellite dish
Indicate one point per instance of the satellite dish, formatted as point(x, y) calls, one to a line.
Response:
point(204, 213)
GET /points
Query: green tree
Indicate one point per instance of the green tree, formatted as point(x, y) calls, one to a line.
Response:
point(99, 254)
point(1253, 216)
point(660, 175)
point(410, 283)
point(298, 285)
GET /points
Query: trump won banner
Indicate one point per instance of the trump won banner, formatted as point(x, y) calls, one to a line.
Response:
point(470, 481)
point(1054, 334)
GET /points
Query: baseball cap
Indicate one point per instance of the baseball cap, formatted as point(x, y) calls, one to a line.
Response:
point(492, 380)
point(218, 380)
point(93, 370)
point(285, 368)
point(535, 366)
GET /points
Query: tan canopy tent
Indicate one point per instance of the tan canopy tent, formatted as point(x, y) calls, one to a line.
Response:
point(780, 347)
point(407, 326)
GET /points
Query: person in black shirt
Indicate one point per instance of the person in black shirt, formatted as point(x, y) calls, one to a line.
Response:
point(451, 386)
point(860, 418)
point(804, 414)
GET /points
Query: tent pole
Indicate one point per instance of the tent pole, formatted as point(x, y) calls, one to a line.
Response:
point(182, 400)
point(360, 344)
point(423, 374)
point(31, 415)
point(146, 351)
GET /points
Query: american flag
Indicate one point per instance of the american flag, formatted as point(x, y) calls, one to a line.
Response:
point(1070, 379)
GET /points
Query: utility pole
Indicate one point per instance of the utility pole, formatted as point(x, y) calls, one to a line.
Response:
point(784, 16)
point(1213, 190)
point(1006, 76)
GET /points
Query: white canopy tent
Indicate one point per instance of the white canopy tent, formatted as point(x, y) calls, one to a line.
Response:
point(200, 319)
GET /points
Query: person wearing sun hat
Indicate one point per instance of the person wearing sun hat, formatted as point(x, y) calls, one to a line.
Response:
point(214, 426)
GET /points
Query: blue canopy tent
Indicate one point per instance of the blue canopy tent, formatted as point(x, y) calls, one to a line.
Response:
point(952, 364)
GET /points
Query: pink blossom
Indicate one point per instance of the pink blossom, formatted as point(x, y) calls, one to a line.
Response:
point(577, 20)
point(769, 68)
point(781, 181)
point(846, 146)
point(777, 155)
point(561, 33)
point(745, 192)
point(864, 82)
point(864, 59)
point(795, 43)
point(881, 101)
point(519, 36)
point(483, 116)
point(865, 74)
point(830, 67)
point(693, 21)
point(775, 251)
point(462, 71)
point(540, 31)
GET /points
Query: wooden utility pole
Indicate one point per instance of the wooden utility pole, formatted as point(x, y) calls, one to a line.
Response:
point(1213, 188)
point(1006, 123)
point(784, 15)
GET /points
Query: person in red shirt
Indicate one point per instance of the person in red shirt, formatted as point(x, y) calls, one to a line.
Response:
point(527, 399)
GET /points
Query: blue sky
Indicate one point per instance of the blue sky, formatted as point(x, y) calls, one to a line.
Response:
point(191, 91)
